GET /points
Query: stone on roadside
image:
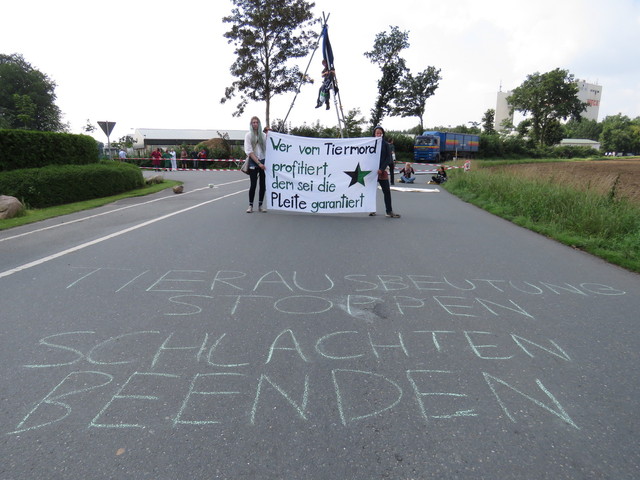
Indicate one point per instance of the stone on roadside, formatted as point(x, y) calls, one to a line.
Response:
point(9, 207)
point(155, 179)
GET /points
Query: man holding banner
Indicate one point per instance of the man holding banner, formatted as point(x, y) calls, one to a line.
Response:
point(386, 162)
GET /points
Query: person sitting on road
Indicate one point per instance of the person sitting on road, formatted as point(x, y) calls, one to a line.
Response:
point(440, 176)
point(408, 174)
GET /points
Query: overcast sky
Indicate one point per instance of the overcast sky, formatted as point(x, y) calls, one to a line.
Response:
point(165, 64)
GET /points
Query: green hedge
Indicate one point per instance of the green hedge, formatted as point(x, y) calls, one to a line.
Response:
point(58, 185)
point(29, 149)
point(493, 146)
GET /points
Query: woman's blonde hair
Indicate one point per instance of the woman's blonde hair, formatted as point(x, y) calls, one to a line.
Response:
point(257, 137)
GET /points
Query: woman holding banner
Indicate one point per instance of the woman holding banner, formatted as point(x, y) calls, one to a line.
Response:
point(386, 161)
point(255, 148)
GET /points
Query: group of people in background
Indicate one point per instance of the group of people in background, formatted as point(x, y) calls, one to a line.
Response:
point(168, 157)
point(170, 160)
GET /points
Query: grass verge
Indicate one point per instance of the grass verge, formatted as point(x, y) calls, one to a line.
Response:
point(598, 224)
point(36, 215)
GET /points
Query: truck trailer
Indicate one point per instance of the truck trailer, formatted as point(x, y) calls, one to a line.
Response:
point(436, 147)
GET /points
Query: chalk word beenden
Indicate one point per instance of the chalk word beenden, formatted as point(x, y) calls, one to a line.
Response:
point(141, 389)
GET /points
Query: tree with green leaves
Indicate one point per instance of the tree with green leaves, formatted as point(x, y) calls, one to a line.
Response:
point(386, 54)
point(553, 133)
point(584, 128)
point(488, 120)
point(89, 127)
point(266, 37)
point(524, 127)
point(474, 128)
point(413, 93)
point(125, 141)
point(27, 97)
point(354, 123)
point(25, 109)
point(547, 98)
point(620, 134)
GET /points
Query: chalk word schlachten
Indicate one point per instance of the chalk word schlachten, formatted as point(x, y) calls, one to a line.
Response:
point(131, 391)
point(189, 291)
point(223, 350)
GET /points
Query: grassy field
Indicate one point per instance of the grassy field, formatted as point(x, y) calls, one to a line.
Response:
point(618, 178)
point(581, 207)
point(36, 215)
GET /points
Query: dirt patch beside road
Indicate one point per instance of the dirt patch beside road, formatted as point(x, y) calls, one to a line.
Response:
point(599, 176)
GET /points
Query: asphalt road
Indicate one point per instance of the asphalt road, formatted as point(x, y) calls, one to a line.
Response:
point(177, 337)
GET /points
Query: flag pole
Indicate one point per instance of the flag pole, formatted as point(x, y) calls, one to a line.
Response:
point(305, 72)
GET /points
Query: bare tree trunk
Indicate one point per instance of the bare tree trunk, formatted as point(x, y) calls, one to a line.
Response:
point(267, 112)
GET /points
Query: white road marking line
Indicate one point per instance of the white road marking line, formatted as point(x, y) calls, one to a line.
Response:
point(110, 211)
point(110, 236)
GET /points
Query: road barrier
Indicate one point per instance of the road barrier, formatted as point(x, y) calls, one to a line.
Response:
point(237, 162)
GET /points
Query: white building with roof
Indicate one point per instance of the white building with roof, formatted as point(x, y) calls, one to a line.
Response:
point(151, 138)
point(579, 142)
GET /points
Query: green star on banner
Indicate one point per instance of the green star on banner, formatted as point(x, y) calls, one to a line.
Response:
point(357, 176)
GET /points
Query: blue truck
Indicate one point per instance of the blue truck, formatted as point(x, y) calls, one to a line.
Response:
point(436, 147)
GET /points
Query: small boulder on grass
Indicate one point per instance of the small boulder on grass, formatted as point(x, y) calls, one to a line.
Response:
point(9, 207)
point(155, 179)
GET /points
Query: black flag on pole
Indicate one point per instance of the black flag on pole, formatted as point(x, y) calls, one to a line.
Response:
point(327, 52)
point(328, 72)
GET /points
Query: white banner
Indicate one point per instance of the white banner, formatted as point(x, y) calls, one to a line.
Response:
point(321, 175)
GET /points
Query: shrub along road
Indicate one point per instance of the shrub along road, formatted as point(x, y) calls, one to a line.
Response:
point(175, 336)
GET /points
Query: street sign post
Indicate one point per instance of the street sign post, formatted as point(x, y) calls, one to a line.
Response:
point(107, 128)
